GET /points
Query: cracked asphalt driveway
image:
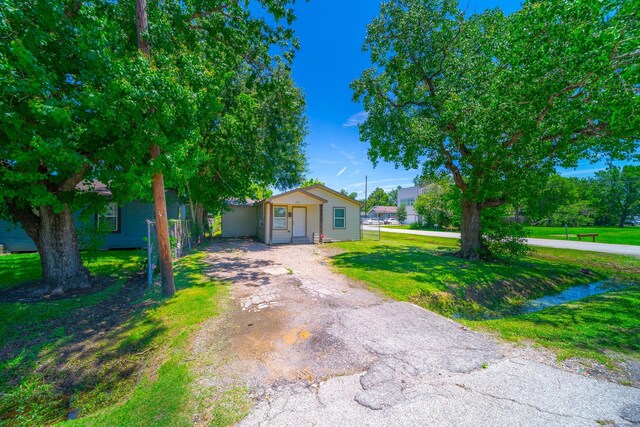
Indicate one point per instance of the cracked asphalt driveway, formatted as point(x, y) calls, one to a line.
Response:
point(318, 349)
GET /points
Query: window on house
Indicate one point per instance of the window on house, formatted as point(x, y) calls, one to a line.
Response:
point(339, 217)
point(280, 217)
point(110, 218)
point(407, 202)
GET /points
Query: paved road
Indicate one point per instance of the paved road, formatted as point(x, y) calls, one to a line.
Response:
point(547, 243)
point(317, 349)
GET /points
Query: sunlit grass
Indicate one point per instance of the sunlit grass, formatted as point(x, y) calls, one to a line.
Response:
point(615, 235)
point(422, 270)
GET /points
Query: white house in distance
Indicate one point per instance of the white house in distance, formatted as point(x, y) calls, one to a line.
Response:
point(383, 212)
point(407, 196)
point(297, 216)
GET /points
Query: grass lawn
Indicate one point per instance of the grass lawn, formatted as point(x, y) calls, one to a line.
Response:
point(422, 270)
point(582, 328)
point(118, 356)
point(616, 235)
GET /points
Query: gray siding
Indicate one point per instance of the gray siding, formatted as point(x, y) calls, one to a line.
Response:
point(240, 221)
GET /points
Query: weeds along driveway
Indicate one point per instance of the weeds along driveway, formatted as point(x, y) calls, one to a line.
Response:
point(315, 348)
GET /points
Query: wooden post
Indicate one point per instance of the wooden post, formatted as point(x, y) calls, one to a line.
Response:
point(159, 201)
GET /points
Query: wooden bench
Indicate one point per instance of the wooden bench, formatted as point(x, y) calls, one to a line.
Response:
point(450, 228)
point(592, 235)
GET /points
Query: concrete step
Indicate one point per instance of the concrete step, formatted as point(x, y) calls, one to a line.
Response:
point(301, 240)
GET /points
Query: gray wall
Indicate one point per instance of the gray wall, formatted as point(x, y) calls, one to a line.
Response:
point(408, 196)
point(240, 221)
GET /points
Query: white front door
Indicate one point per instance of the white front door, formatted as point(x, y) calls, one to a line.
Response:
point(299, 222)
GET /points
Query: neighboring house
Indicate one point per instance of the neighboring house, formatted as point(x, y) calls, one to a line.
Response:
point(126, 222)
point(383, 212)
point(407, 196)
point(297, 216)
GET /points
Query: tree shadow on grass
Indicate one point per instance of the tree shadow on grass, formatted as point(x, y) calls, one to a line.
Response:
point(92, 349)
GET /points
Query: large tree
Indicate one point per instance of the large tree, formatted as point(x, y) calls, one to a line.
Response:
point(500, 101)
point(79, 102)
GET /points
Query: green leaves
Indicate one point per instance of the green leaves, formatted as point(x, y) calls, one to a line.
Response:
point(79, 102)
point(500, 101)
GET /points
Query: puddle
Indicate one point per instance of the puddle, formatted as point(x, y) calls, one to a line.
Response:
point(572, 294)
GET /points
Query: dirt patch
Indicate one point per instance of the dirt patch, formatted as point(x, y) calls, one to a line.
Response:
point(284, 301)
point(33, 292)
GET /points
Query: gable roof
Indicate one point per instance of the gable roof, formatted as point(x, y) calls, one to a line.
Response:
point(334, 192)
point(297, 190)
point(384, 209)
point(94, 187)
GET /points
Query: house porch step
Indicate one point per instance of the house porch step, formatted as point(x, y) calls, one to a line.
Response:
point(301, 240)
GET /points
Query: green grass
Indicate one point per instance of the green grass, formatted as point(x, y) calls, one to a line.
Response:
point(616, 235)
point(582, 328)
point(16, 269)
point(133, 371)
point(422, 270)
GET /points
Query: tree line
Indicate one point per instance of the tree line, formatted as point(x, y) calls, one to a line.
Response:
point(610, 198)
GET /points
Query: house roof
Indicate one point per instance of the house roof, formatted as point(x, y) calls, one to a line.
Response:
point(335, 193)
point(96, 187)
point(384, 209)
point(247, 202)
point(297, 190)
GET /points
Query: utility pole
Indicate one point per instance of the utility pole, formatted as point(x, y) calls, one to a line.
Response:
point(159, 201)
point(366, 178)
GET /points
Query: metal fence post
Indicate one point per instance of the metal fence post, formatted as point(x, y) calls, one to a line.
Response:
point(149, 255)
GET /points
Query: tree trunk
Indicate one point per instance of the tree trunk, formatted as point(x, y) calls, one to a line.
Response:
point(471, 247)
point(199, 222)
point(62, 267)
point(159, 201)
point(162, 229)
point(54, 234)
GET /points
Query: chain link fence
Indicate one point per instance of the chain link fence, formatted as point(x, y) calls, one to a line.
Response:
point(179, 239)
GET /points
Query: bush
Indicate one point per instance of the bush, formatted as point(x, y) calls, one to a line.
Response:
point(501, 239)
point(418, 225)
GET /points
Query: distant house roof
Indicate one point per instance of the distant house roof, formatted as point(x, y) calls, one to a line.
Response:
point(384, 209)
point(247, 202)
point(96, 186)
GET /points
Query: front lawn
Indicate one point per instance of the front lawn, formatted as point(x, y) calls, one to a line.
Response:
point(422, 270)
point(118, 356)
point(616, 235)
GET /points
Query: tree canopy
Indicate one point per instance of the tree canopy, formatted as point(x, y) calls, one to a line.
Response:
point(79, 102)
point(378, 197)
point(500, 101)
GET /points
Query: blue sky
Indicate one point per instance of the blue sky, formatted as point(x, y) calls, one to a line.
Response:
point(331, 34)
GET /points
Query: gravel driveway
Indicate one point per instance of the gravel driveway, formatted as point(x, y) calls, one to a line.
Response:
point(318, 349)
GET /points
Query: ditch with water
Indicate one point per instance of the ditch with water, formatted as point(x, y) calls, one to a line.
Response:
point(573, 293)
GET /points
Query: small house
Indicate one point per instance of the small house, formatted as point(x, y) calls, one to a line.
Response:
point(125, 224)
point(383, 212)
point(298, 216)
